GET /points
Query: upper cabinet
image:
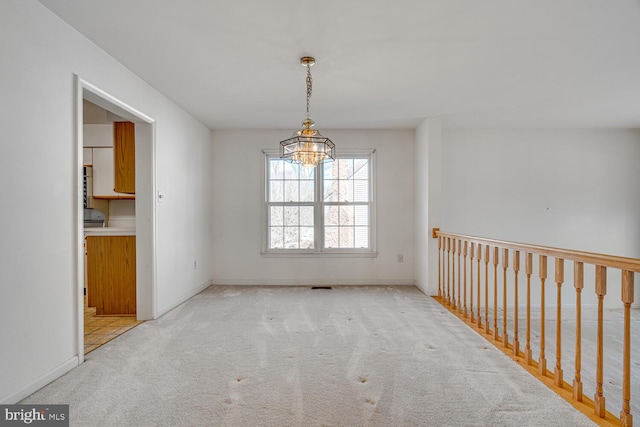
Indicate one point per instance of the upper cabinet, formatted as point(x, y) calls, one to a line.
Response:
point(112, 155)
point(87, 156)
point(103, 173)
point(124, 156)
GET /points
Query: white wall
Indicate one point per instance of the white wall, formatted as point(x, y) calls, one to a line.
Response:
point(427, 181)
point(39, 55)
point(238, 196)
point(575, 189)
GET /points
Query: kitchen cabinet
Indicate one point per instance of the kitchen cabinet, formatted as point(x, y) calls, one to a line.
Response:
point(111, 274)
point(87, 156)
point(124, 153)
point(111, 150)
point(103, 175)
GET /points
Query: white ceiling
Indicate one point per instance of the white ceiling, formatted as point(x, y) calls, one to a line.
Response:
point(380, 63)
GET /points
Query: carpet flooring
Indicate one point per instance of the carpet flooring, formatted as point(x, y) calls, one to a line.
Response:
point(293, 356)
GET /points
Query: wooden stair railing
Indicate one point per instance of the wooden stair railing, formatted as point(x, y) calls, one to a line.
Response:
point(453, 295)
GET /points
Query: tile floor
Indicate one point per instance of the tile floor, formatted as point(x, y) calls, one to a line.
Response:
point(102, 329)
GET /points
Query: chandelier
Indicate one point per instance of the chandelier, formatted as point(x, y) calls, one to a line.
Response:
point(307, 147)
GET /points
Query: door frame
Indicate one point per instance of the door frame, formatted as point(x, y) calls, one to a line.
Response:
point(146, 299)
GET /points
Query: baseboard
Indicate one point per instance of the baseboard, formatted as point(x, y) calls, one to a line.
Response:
point(424, 289)
point(35, 385)
point(183, 298)
point(302, 282)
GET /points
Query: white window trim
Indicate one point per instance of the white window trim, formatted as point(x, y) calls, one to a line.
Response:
point(319, 251)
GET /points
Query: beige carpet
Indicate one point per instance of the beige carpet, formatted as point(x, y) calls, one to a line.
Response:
point(292, 356)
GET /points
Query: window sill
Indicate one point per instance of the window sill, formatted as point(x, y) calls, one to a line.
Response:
point(318, 254)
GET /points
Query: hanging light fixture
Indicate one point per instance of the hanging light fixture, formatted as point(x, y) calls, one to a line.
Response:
point(307, 147)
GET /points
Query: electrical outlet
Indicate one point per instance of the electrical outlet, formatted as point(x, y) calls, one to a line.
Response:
point(400, 258)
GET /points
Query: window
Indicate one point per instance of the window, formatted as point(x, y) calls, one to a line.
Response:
point(324, 210)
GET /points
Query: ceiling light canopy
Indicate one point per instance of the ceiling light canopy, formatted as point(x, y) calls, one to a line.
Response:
point(307, 147)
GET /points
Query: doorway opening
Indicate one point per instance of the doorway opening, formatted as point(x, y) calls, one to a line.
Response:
point(132, 218)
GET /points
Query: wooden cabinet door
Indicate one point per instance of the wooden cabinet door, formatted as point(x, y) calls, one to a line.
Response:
point(111, 274)
point(124, 156)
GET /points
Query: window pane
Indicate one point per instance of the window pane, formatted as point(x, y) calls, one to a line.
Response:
point(291, 171)
point(291, 191)
point(306, 215)
point(276, 216)
point(308, 173)
point(346, 191)
point(362, 237)
point(361, 169)
point(306, 191)
point(345, 168)
point(276, 169)
point(361, 215)
point(276, 191)
point(276, 238)
point(293, 203)
point(330, 193)
point(330, 170)
point(291, 238)
point(346, 237)
point(306, 238)
point(346, 215)
point(331, 215)
point(360, 191)
point(291, 216)
point(331, 237)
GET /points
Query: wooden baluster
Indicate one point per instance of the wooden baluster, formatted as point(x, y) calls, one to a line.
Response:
point(459, 276)
point(495, 292)
point(559, 281)
point(453, 281)
point(542, 361)
point(471, 254)
point(479, 318)
point(599, 401)
point(464, 285)
point(516, 268)
point(626, 419)
point(528, 356)
point(439, 267)
point(448, 270)
point(486, 289)
point(578, 283)
point(505, 265)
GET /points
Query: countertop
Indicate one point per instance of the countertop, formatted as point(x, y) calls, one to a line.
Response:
point(109, 231)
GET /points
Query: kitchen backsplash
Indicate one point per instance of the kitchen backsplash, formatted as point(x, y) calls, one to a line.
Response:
point(122, 213)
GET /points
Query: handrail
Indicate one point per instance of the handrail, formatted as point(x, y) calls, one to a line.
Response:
point(455, 249)
point(623, 263)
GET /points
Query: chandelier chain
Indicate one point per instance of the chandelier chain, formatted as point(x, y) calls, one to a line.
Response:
point(309, 90)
